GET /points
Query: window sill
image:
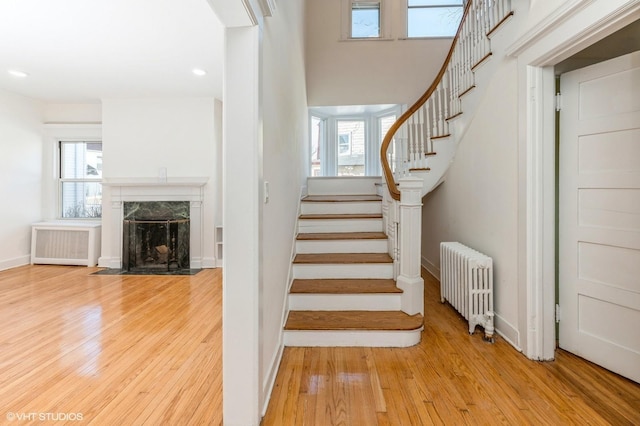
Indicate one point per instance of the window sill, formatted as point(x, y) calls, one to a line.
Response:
point(368, 39)
point(427, 38)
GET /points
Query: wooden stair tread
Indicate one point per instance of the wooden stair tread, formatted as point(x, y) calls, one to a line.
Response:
point(342, 258)
point(344, 286)
point(342, 216)
point(353, 320)
point(340, 198)
point(342, 236)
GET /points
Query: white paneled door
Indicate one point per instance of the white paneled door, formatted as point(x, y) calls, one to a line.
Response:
point(599, 233)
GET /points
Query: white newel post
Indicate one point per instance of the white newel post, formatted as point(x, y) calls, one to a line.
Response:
point(409, 278)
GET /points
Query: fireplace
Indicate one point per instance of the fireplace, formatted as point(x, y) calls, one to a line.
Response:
point(156, 236)
point(118, 191)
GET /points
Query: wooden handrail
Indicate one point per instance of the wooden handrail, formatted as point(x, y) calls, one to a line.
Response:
point(386, 168)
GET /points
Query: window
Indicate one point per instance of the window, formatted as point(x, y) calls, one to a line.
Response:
point(365, 19)
point(345, 140)
point(344, 144)
point(433, 18)
point(351, 147)
point(80, 179)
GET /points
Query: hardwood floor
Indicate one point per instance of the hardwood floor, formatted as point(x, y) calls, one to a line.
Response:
point(450, 378)
point(134, 350)
point(117, 350)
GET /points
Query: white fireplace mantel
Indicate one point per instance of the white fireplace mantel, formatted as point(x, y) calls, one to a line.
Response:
point(155, 182)
point(117, 191)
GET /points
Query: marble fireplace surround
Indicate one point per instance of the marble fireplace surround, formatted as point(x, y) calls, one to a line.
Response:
point(121, 190)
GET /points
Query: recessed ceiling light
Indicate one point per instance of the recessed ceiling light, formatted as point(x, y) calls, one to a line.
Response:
point(18, 74)
point(199, 72)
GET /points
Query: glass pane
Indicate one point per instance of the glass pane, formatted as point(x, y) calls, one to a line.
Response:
point(81, 199)
point(317, 131)
point(365, 21)
point(81, 160)
point(434, 21)
point(434, 2)
point(385, 124)
point(351, 148)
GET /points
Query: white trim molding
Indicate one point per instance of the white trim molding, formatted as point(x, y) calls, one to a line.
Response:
point(268, 7)
point(574, 26)
point(552, 21)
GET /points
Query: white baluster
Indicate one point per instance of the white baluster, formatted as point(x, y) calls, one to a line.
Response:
point(447, 100)
point(439, 103)
point(425, 134)
point(414, 141)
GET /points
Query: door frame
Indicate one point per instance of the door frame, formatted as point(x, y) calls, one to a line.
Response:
point(574, 26)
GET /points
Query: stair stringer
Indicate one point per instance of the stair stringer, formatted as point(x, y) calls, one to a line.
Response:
point(446, 148)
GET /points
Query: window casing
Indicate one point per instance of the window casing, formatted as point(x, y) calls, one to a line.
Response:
point(80, 177)
point(433, 18)
point(366, 20)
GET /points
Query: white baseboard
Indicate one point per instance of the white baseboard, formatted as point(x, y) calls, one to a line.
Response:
point(109, 262)
point(507, 331)
point(15, 262)
point(209, 263)
point(272, 373)
point(431, 267)
point(269, 383)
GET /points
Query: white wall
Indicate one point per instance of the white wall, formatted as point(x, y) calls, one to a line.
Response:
point(478, 202)
point(143, 136)
point(20, 176)
point(498, 193)
point(284, 167)
point(366, 72)
point(73, 113)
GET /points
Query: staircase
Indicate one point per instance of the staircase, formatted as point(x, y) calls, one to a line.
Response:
point(356, 271)
point(422, 143)
point(344, 292)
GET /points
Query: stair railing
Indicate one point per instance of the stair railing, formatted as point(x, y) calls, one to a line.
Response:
point(408, 144)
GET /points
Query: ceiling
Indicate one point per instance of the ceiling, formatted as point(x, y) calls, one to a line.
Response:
point(77, 51)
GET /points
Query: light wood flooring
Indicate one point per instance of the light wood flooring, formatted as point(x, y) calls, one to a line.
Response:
point(450, 378)
point(119, 350)
point(136, 350)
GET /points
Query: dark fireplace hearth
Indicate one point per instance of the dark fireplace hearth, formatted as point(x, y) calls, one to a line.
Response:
point(155, 236)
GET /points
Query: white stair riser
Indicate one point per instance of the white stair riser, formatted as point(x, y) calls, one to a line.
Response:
point(324, 338)
point(361, 270)
point(341, 246)
point(352, 185)
point(341, 207)
point(345, 302)
point(340, 225)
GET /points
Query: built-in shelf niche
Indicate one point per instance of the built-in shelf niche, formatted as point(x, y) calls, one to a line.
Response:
point(219, 241)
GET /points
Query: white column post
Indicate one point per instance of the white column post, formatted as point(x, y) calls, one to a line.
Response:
point(409, 279)
point(242, 164)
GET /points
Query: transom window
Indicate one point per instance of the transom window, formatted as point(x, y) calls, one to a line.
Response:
point(80, 177)
point(433, 18)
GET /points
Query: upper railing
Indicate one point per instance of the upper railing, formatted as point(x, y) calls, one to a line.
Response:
point(409, 142)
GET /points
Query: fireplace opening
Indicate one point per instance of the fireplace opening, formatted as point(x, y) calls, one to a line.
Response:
point(155, 236)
